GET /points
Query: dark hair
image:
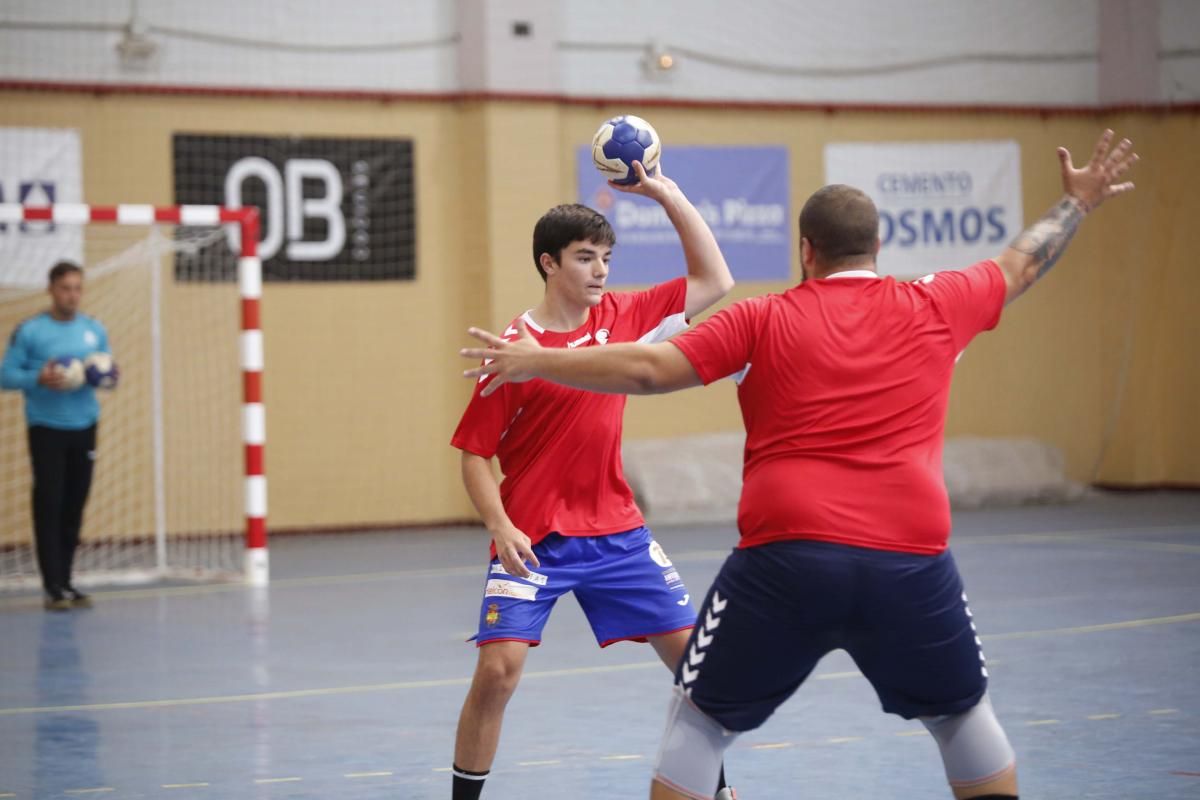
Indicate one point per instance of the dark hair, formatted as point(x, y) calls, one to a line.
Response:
point(568, 223)
point(841, 223)
point(62, 269)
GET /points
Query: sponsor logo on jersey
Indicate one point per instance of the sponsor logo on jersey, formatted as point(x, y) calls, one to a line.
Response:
point(534, 577)
point(587, 337)
point(90, 338)
point(602, 336)
point(512, 589)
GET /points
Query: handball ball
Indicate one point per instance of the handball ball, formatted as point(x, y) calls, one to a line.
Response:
point(621, 141)
point(71, 370)
point(101, 371)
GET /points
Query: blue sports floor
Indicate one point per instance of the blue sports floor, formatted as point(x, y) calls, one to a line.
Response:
point(345, 678)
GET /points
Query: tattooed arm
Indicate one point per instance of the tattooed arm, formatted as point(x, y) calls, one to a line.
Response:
point(1038, 248)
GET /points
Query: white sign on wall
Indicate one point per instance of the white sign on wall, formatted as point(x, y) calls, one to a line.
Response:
point(942, 205)
point(38, 167)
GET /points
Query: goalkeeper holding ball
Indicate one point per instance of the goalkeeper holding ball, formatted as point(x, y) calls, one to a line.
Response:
point(45, 360)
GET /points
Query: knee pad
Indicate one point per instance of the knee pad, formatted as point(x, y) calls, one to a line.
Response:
point(693, 747)
point(973, 745)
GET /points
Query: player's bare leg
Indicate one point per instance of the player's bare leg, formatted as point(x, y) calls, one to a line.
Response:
point(660, 792)
point(671, 647)
point(496, 676)
point(1003, 786)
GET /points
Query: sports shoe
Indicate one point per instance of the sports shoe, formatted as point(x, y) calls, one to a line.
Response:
point(726, 794)
point(76, 598)
point(56, 602)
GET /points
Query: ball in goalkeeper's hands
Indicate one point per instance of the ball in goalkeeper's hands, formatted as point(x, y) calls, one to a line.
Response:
point(70, 371)
point(101, 370)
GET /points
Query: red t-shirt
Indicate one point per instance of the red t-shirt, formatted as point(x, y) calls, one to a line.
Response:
point(843, 385)
point(560, 448)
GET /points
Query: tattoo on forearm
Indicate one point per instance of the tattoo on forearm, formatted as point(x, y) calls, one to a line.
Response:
point(1045, 240)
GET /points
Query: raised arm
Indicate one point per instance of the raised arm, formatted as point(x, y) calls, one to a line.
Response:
point(708, 276)
point(1038, 248)
point(627, 368)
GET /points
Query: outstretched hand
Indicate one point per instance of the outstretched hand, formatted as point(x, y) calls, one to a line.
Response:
point(506, 361)
point(1095, 182)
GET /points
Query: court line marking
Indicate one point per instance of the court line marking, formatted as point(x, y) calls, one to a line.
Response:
point(1159, 712)
point(546, 763)
point(277, 780)
point(843, 739)
point(1104, 716)
point(184, 785)
point(554, 673)
point(921, 732)
point(94, 790)
point(1034, 722)
point(381, 774)
point(1106, 626)
point(773, 746)
point(620, 758)
point(26, 601)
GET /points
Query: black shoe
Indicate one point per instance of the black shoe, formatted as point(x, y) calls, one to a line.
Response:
point(56, 601)
point(76, 598)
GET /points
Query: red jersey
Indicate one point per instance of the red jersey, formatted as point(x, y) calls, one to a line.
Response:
point(843, 385)
point(560, 448)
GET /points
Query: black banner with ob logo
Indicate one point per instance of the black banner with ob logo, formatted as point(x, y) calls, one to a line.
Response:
point(332, 209)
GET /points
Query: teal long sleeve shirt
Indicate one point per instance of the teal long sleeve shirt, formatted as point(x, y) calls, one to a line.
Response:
point(34, 342)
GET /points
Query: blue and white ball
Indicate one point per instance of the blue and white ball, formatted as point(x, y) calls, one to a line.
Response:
point(621, 141)
point(71, 371)
point(101, 370)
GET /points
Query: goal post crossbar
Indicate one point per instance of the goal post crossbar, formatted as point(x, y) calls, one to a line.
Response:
point(251, 342)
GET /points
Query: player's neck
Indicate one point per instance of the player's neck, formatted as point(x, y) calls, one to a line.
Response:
point(558, 314)
point(61, 316)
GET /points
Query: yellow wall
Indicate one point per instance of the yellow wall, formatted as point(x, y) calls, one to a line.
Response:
point(361, 380)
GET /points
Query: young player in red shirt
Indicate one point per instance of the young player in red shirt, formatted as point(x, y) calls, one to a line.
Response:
point(844, 519)
point(563, 519)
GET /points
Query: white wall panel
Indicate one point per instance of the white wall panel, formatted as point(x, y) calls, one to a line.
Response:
point(849, 51)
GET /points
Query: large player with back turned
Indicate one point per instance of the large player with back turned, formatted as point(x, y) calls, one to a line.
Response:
point(843, 384)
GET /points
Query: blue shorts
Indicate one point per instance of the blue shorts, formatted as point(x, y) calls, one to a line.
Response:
point(775, 610)
point(624, 582)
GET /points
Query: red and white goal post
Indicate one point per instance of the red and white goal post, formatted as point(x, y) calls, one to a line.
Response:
point(168, 422)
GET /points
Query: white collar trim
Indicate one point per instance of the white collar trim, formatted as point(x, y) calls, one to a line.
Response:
point(528, 317)
point(853, 273)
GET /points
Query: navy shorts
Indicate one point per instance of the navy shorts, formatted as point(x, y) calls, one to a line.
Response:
point(775, 610)
point(624, 582)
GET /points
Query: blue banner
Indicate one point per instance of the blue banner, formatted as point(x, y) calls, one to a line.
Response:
point(741, 191)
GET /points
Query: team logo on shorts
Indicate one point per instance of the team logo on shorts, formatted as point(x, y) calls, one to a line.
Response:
point(657, 554)
point(493, 615)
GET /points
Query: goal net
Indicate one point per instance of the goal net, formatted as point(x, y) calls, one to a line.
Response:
point(167, 498)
